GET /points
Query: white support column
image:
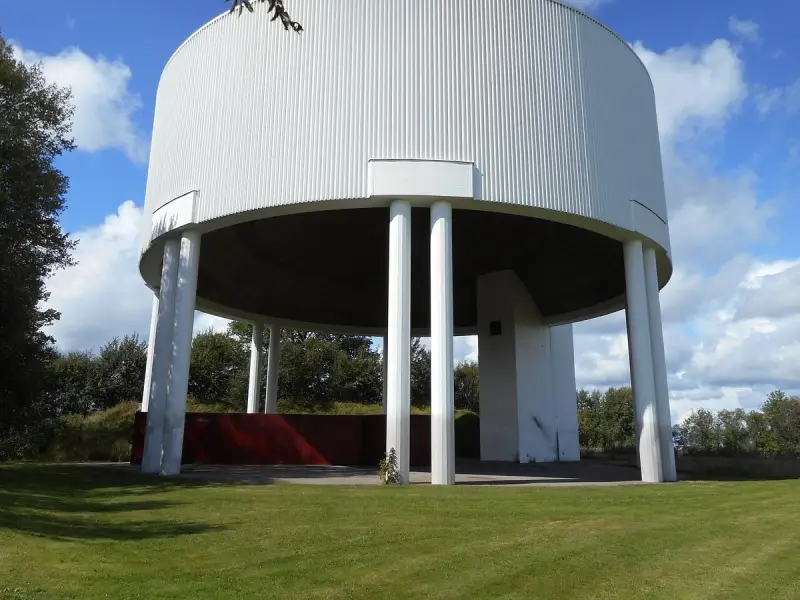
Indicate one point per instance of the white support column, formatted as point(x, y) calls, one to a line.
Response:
point(151, 348)
point(162, 355)
point(383, 398)
point(273, 367)
point(185, 297)
point(641, 362)
point(254, 384)
point(659, 367)
point(443, 470)
point(398, 339)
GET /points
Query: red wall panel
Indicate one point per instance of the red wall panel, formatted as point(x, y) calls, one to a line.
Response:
point(227, 439)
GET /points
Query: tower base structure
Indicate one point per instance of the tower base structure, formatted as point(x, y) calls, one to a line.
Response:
point(528, 399)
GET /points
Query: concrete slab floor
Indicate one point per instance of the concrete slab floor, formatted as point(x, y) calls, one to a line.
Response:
point(472, 473)
point(467, 473)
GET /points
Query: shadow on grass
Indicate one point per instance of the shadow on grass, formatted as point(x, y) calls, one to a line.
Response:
point(732, 477)
point(268, 474)
point(89, 503)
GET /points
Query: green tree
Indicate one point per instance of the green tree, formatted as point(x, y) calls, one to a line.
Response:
point(701, 432)
point(732, 427)
point(309, 371)
point(219, 370)
point(243, 333)
point(34, 131)
point(466, 386)
point(759, 437)
point(72, 383)
point(782, 414)
point(617, 424)
point(590, 405)
point(360, 376)
point(420, 374)
point(119, 370)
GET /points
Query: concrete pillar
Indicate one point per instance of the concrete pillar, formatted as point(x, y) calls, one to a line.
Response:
point(383, 398)
point(565, 394)
point(659, 367)
point(398, 339)
point(254, 384)
point(641, 363)
point(151, 348)
point(162, 354)
point(518, 412)
point(185, 296)
point(273, 367)
point(443, 470)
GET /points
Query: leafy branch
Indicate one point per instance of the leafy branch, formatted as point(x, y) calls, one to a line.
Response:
point(275, 6)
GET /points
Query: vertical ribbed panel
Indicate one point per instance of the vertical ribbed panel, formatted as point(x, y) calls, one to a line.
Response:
point(554, 109)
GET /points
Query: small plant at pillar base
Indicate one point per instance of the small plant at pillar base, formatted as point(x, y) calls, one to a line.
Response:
point(387, 468)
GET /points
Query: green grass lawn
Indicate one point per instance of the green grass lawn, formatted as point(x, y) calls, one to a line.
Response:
point(81, 532)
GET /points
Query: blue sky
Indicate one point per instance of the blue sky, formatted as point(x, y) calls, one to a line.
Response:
point(728, 95)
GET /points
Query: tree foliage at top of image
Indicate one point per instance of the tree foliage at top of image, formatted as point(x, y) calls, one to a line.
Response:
point(35, 125)
point(276, 7)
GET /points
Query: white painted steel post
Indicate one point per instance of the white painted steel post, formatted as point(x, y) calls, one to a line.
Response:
point(254, 383)
point(162, 356)
point(641, 364)
point(443, 470)
point(273, 368)
point(398, 342)
point(659, 367)
point(151, 349)
point(181, 353)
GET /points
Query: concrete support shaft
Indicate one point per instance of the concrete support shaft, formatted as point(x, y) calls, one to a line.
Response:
point(562, 363)
point(254, 383)
point(185, 296)
point(151, 349)
point(273, 368)
point(162, 350)
point(659, 367)
point(641, 363)
point(398, 342)
point(442, 405)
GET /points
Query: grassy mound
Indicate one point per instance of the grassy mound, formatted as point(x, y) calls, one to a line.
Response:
point(104, 435)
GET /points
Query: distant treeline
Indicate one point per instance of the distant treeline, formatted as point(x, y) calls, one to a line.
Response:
point(606, 421)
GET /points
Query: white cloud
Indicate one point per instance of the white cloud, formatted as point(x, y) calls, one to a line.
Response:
point(105, 106)
point(587, 5)
point(783, 100)
point(696, 88)
point(747, 30)
point(713, 214)
point(103, 295)
point(768, 100)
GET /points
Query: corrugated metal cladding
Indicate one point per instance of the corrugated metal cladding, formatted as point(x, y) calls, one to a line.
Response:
point(554, 109)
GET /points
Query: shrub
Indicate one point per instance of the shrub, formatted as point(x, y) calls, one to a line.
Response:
point(387, 468)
